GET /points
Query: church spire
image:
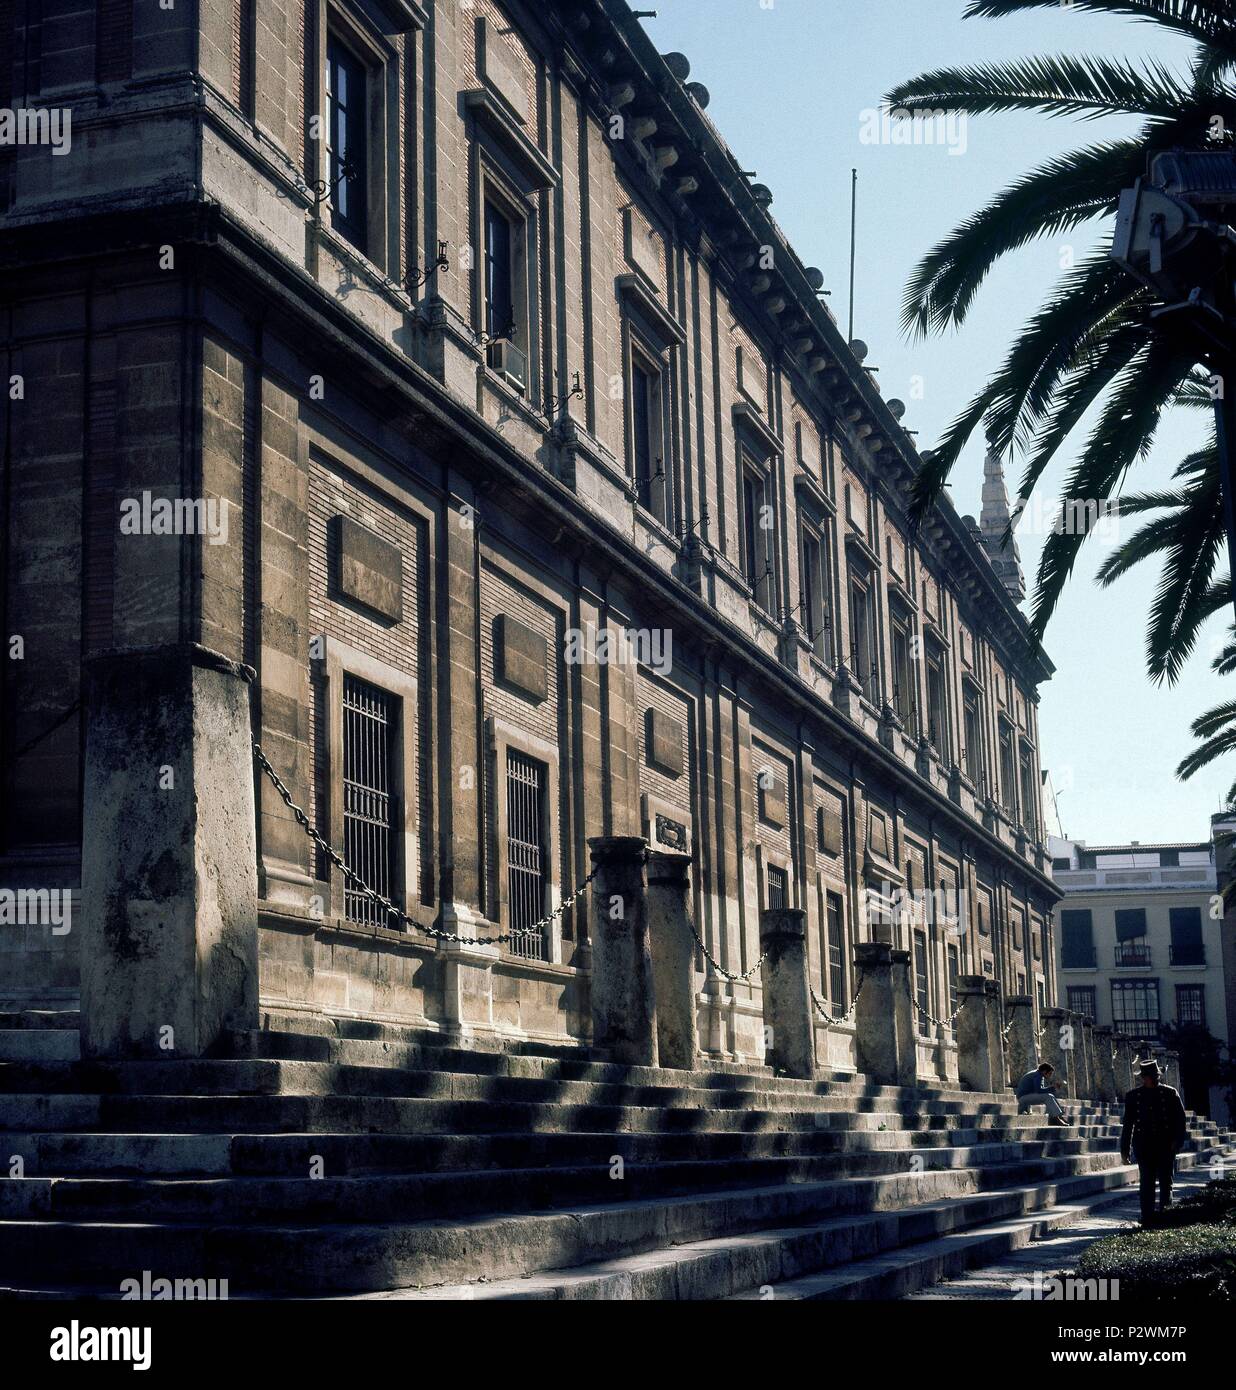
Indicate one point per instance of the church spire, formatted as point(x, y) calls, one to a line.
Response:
point(994, 523)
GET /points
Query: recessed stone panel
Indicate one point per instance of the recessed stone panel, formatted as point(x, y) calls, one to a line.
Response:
point(498, 68)
point(368, 570)
point(663, 743)
point(521, 657)
point(773, 807)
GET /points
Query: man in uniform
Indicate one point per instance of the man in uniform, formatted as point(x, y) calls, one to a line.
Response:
point(1154, 1126)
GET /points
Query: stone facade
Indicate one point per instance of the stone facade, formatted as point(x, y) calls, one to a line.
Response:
point(667, 447)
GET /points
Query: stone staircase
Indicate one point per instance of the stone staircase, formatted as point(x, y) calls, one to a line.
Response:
point(364, 1160)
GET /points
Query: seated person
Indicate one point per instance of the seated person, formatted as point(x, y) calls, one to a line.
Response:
point(1037, 1088)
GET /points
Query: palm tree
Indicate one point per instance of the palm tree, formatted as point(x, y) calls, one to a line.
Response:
point(1096, 341)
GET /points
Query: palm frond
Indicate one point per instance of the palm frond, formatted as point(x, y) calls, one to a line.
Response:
point(1210, 22)
point(1063, 84)
point(1062, 194)
point(1123, 433)
point(1217, 730)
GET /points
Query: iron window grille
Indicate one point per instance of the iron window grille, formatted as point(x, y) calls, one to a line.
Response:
point(778, 887)
point(922, 992)
point(1135, 1007)
point(836, 954)
point(1133, 953)
point(1082, 1000)
point(369, 801)
point(526, 856)
point(1191, 1005)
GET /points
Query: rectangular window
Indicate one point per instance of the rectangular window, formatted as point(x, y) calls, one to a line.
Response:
point(1008, 771)
point(526, 857)
point(1081, 1000)
point(972, 733)
point(1077, 939)
point(1191, 1005)
point(1132, 948)
point(757, 548)
point(1028, 802)
point(369, 803)
point(905, 699)
point(862, 639)
point(954, 970)
point(346, 136)
point(836, 955)
point(1187, 945)
point(778, 886)
point(922, 991)
point(1135, 1008)
point(937, 707)
point(1042, 996)
point(647, 417)
point(812, 600)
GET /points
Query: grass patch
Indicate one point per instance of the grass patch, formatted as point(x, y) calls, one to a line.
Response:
point(1195, 1263)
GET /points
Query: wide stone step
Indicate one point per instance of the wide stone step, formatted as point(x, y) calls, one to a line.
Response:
point(38, 1045)
point(50, 1153)
point(260, 1255)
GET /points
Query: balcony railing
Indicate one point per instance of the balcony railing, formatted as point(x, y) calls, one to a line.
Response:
point(1134, 953)
point(1188, 955)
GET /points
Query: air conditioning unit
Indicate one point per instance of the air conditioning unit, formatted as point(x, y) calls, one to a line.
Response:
point(509, 362)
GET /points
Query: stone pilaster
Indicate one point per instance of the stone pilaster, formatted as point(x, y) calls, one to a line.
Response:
point(467, 987)
point(788, 1022)
point(169, 881)
point(624, 1016)
point(980, 1067)
point(885, 1048)
point(1022, 1053)
point(1124, 1064)
point(673, 959)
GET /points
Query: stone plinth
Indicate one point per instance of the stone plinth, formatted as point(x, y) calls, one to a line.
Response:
point(169, 857)
point(884, 1044)
point(1105, 1084)
point(978, 1066)
point(788, 1023)
point(624, 1016)
point(468, 987)
point(1056, 1047)
point(673, 959)
point(1023, 1052)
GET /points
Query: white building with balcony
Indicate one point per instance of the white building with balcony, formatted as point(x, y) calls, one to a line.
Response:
point(1138, 935)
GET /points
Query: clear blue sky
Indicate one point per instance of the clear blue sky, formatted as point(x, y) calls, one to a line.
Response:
point(790, 81)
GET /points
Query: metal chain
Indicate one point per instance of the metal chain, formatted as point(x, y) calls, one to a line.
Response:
point(360, 886)
point(719, 968)
point(829, 1020)
point(939, 1022)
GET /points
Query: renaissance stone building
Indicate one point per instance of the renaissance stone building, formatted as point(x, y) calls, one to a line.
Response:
point(372, 368)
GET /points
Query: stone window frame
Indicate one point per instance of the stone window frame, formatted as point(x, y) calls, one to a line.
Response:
point(768, 857)
point(654, 355)
point(353, 25)
point(973, 760)
point(862, 574)
point(817, 530)
point(339, 659)
point(764, 586)
point(494, 186)
point(903, 627)
point(936, 654)
point(502, 737)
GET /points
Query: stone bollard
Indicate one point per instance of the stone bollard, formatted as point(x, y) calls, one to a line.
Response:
point(1105, 1088)
point(1023, 1055)
point(624, 1015)
point(673, 959)
point(885, 1048)
point(1056, 1034)
point(788, 1023)
point(977, 1022)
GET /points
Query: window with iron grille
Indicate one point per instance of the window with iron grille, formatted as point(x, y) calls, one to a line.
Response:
point(836, 954)
point(1082, 1000)
point(1135, 1007)
point(778, 887)
point(369, 798)
point(922, 992)
point(1191, 1005)
point(526, 858)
